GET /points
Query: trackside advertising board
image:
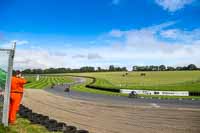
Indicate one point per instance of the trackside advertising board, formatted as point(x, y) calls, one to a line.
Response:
point(151, 92)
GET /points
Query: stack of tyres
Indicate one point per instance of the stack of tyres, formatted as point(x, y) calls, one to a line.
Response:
point(61, 126)
point(44, 120)
point(82, 131)
point(50, 124)
point(38, 118)
point(35, 118)
point(70, 129)
point(25, 113)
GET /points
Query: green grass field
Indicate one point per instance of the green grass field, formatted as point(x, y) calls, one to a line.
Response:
point(167, 80)
point(82, 88)
point(46, 81)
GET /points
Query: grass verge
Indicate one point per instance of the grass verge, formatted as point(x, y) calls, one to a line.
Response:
point(24, 126)
point(47, 81)
point(82, 88)
point(160, 81)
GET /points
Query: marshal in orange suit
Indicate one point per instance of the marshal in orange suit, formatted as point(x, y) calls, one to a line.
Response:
point(16, 93)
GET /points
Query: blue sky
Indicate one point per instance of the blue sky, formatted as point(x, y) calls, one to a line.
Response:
point(75, 33)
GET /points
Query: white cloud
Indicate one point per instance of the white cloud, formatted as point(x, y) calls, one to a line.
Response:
point(43, 58)
point(144, 46)
point(115, 33)
point(173, 5)
point(38, 58)
point(172, 33)
point(78, 56)
point(93, 56)
point(89, 56)
point(148, 46)
point(181, 35)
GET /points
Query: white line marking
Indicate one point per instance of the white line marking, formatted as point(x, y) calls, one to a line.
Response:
point(155, 105)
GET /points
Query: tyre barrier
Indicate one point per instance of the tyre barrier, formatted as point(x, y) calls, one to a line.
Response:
point(50, 124)
point(82, 131)
point(70, 129)
point(61, 126)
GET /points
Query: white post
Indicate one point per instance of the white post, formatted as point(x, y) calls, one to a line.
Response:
point(38, 77)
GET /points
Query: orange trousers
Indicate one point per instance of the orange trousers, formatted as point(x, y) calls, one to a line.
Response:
point(15, 100)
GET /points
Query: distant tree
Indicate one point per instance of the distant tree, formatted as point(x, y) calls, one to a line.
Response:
point(151, 68)
point(87, 69)
point(147, 68)
point(111, 68)
point(162, 68)
point(37, 71)
point(192, 67)
point(27, 71)
point(117, 69)
point(99, 69)
point(156, 68)
point(179, 68)
point(139, 68)
point(169, 68)
point(61, 70)
point(135, 68)
point(124, 69)
point(185, 68)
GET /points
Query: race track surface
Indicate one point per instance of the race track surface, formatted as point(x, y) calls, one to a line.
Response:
point(101, 115)
point(175, 103)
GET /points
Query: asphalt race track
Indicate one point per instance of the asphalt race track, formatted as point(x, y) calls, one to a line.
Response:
point(111, 114)
point(59, 90)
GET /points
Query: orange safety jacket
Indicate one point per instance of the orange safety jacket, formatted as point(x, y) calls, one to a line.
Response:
point(17, 85)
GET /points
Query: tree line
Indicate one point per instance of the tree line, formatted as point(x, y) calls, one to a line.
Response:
point(111, 68)
point(69, 70)
point(165, 68)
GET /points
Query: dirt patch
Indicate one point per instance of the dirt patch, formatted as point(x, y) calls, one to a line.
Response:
point(108, 118)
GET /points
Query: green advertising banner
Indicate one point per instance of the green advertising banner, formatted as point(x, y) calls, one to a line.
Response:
point(2, 79)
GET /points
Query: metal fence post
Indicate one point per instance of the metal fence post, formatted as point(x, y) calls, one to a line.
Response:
point(7, 87)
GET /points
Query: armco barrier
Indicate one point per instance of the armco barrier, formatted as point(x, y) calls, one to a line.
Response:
point(51, 124)
point(194, 93)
